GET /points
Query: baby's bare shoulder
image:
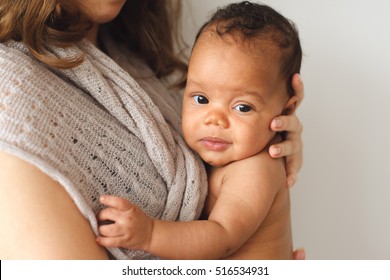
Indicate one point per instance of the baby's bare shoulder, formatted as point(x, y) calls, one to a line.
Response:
point(260, 162)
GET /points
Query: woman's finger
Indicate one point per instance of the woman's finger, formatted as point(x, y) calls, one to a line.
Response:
point(299, 254)
point(292, 167)
point(298, 88)
point(286, 148)
point(289, 123)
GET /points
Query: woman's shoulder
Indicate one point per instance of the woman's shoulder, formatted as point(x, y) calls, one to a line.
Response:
point(14, 54)
point(19, 69)
point(25, 84)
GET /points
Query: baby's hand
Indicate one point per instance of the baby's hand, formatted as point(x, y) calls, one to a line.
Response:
point(131, 227)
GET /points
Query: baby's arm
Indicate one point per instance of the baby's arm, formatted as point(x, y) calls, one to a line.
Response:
point(242, 204)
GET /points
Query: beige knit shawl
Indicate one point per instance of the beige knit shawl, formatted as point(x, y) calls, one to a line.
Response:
point(97, 130)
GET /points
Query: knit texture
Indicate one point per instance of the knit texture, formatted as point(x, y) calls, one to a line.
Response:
point(97, 130)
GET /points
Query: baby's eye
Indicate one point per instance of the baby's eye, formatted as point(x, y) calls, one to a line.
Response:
point(200, 99)
point(243, 108)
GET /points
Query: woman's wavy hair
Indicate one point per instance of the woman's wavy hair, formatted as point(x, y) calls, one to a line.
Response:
point(148, 27)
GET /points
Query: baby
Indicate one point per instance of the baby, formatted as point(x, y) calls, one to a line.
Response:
point(239, 79)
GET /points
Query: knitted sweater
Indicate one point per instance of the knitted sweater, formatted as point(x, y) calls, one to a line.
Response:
point(97, 130)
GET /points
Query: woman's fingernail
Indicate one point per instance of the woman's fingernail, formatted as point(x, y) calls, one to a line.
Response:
point(290, 183)
point(277, 123)
point(276, 151)
point(299, 78)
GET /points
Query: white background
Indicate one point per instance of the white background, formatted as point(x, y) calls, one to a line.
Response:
point(341, 203)
point(193, 269)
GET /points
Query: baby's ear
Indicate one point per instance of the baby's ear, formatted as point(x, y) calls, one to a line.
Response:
point(290, 105)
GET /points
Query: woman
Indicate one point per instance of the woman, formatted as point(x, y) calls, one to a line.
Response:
point(75, 125)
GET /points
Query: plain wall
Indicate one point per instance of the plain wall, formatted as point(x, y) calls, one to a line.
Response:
point(341, 202)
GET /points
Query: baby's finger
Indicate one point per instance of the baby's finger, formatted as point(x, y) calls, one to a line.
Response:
point(119, 203)
point(108, 241)
point(108, 214)
point(110, 230)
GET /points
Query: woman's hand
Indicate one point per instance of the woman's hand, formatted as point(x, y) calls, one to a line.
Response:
point(291, 147)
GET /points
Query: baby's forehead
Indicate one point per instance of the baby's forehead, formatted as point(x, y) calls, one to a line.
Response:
point(263, 46)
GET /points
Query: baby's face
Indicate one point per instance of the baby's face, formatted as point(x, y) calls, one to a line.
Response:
point(230, 99)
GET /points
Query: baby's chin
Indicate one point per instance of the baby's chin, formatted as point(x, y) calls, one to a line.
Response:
point(216, 163)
